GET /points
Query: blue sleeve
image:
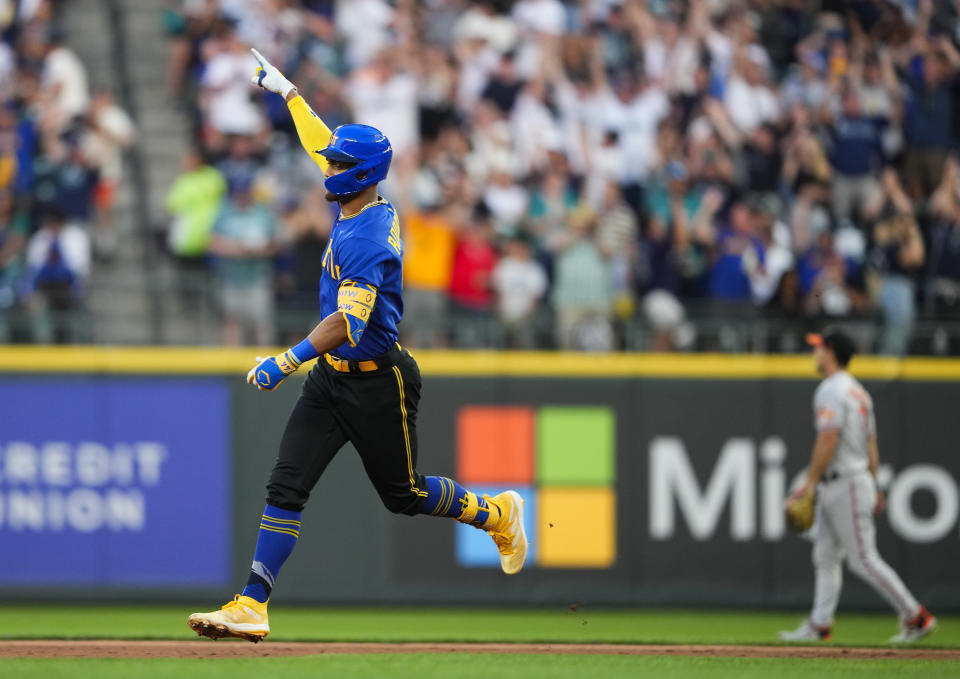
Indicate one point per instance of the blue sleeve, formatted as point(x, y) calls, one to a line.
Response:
point(362, 264)
point(362, 261)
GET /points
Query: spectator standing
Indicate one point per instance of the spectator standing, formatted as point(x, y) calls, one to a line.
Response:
point(824, 280)
point(308, 229)
point(749, 99)
point(895, 259)
point(429, 242)
point(729, 281)
point(856, 154)
point(384, 95)
point(193, 202)
point(58, 263)
point(111, 132)
point(674, 204)
point(762, 160)
point(471, 293)
point(520, 283)
point(930, 116)
point(228, 105)
point(65, 79)
point(244, 242)
point(551, 199)
point(767, 267)
point(77, 178)
point(618, 239)
point(582, 293)
point(943, 272)
point(13, 238)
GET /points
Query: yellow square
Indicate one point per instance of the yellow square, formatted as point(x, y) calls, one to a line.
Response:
point(577, 527)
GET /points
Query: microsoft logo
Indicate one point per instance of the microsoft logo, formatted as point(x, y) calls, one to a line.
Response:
point(562, 461)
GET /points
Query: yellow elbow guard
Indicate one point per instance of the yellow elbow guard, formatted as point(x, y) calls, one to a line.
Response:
point(355, 301)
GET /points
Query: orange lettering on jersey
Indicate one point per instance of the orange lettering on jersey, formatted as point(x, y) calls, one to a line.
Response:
point(861, 397)
point(865, 402)
point(825, 414)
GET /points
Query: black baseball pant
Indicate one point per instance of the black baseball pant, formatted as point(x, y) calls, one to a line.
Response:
point(376, 411)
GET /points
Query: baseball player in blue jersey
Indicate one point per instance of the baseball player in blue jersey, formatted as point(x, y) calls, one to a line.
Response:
point(364, 388)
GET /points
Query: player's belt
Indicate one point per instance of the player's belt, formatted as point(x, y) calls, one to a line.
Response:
point(342, 365)
point(835, 476)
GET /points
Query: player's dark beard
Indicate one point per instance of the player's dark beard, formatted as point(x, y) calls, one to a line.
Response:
point(332, 198)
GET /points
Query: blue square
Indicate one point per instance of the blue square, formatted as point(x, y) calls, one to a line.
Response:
point(475, 548)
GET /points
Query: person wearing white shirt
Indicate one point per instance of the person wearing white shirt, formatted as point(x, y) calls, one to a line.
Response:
point(748, 99)
point(520, 283)
point(65, 76)
point(386, 97)
point(225, 81)
point(58, 261)
point(374, 17)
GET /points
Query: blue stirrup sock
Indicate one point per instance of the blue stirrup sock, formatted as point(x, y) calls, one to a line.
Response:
point(446, 497)
point(279, 530)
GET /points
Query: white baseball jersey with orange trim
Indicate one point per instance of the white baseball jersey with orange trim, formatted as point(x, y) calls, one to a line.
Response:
point(846, 498)
point(841, 403)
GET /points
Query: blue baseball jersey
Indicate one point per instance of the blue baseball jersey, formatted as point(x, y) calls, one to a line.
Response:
point(363, 279)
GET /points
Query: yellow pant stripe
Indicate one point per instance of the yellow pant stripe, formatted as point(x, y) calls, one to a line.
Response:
point(450, 494)
point(443, 496)
point(290, 522)
point(286, 531)
point(406, 434)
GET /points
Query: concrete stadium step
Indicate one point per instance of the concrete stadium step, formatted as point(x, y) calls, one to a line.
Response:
point(88, 27)
point(119, 291)
point(116, 290)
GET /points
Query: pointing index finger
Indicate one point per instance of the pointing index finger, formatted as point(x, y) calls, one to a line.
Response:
point(259, 57)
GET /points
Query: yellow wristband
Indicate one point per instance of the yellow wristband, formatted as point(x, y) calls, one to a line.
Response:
point(287, 362)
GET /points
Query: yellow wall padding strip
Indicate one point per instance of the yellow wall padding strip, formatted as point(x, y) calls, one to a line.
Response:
point(219, 361)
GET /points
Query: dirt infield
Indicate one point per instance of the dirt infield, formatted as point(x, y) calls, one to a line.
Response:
point(242, 649)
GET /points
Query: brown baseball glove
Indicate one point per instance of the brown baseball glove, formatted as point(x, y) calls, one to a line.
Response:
point(800, 510)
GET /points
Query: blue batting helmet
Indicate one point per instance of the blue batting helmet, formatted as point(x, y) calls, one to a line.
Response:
point(364, 147)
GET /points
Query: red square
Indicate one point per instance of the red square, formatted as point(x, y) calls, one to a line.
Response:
point(495, 445)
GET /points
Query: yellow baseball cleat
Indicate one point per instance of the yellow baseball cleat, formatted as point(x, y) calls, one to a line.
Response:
point(509, 533)
point(243, 617)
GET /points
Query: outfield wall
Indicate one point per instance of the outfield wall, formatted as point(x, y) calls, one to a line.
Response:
point(649, 479)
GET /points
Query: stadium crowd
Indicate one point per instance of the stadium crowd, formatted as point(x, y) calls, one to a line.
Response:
point(588, 161)
point(563, 168)
point(61, 159)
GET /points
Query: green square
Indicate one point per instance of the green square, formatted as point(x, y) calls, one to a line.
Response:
point(575, 446)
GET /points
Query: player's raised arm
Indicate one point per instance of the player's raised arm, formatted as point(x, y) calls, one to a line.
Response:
point(313, 132)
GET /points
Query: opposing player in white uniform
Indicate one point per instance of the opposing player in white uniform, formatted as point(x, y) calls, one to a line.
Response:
point(844, 464)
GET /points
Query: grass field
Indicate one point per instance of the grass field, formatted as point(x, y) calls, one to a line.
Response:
point(466, 625)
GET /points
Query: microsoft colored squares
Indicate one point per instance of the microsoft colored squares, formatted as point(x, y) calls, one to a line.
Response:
point(562, 460)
